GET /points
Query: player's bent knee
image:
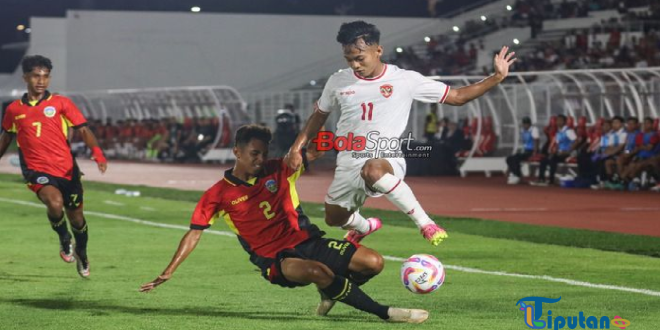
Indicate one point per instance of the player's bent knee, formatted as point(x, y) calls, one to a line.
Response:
point(55, 204)
point(372, 172)
point(375, 263)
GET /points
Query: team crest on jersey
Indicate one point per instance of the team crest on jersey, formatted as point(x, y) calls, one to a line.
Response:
point(49, 112)
point(42, 180)
point(387, 90)
point(271, 185)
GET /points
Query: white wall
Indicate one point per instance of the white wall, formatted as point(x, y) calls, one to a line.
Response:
point(146, 49)
point(97, 50)
point(50, 40)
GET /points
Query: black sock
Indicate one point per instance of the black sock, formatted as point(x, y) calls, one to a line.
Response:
point(359, 278)
point(81, 239)
point(59, 226)
point(349, 293)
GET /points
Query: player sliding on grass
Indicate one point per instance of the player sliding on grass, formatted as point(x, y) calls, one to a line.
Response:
point(258, 200)
point(374, 99)
point(40, 121)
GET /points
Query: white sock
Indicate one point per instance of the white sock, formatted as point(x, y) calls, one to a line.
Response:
point(358, 222)
point(400, 194)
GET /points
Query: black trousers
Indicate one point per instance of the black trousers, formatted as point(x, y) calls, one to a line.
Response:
point(513, 161)
point(552, 161)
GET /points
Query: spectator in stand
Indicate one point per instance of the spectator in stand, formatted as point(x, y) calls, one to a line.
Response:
point(646, 157)
point(588, 159)
point(285, 130)
point(565, 143)
point(443, 129)
point(530, 138)
point(206, 135)
point(452, 136)
point(296, 117)
point(431, 123)
point(187, 150)
point(629, 150)
point(614, 150)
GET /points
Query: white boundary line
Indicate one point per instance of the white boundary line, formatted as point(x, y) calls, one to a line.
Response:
point(391, 258)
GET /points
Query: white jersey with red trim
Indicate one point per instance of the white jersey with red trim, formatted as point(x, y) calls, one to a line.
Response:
point(381, 104)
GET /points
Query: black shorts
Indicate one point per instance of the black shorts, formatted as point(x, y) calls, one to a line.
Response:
point(72, 190)
point(336, 254)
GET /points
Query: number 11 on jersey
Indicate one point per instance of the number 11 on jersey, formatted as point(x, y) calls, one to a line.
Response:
point(364, 110)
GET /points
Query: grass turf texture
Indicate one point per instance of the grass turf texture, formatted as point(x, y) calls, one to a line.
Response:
point(606, 241)
point(218, 287)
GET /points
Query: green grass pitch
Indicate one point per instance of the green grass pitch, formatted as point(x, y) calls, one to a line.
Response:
point(218, 288)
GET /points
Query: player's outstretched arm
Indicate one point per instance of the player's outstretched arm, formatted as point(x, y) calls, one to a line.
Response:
point(501, 62)
point(312, 127)
point(5, 141)
point(187, 245)
point(91, 143)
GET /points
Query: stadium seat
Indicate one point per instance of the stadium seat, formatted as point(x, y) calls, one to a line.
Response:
point(594, 135)
point(486, 141)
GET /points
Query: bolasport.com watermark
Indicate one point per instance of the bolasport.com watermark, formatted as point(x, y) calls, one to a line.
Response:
point(372, 145)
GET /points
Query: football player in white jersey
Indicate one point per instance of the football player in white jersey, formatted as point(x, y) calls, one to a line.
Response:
point(374, 101)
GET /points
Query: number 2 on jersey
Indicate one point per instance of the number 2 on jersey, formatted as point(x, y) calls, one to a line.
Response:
point(266, 207)
point(364, 110)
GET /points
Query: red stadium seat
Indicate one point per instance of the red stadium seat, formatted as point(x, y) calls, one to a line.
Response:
point(485, 142)
point(656, 124)
point(594, 135)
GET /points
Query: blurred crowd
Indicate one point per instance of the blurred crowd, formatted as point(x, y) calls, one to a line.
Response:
point(613, 153)
point(605, 45)
point(167, 139)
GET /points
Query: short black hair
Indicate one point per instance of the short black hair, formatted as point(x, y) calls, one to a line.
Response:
point(635, 119)
point(349, 33)
point(648, 119)
point(248, 132)
point(619, 118)
point(526, 120)
point(35, 61)
point(562, 117)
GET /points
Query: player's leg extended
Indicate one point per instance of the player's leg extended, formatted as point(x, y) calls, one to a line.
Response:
point(354, 222)
point(52, 198)
point(80, 233)
point(334, 286)
point(379, 176)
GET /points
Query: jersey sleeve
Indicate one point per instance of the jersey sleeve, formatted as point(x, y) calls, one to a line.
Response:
point(570, 134)
point(328, 101)
point(207, 209)
point(72, 114)
point(535, 133)
point(427, 90)
point(7, 121)
point(279, 165)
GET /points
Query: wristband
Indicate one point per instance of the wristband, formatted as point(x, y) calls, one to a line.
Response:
point(97, 155)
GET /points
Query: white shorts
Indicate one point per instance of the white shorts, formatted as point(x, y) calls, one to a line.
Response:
point(348, 188)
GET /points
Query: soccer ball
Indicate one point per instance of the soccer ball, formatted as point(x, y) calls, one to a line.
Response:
point(422, 273)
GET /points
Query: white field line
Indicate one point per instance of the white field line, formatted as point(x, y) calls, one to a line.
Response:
point(544, 209)
point(509, 209)
point(391, 258)
point(114, 203)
